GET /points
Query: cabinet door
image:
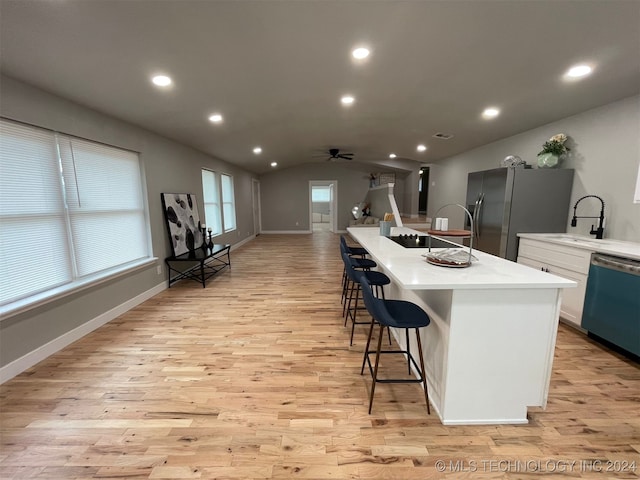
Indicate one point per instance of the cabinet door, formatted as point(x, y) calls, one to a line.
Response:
point(572, 298)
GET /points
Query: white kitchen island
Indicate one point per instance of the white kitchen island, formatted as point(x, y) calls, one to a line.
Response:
point(489, 348)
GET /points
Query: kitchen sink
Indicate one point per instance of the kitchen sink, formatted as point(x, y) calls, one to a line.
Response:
point(578, 240)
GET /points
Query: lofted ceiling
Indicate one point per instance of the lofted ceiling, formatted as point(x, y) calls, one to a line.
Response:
point(276, 69)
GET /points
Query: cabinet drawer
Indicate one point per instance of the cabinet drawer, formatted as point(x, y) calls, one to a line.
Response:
point(574, 259)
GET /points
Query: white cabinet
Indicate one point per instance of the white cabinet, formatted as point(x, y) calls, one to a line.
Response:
point(567, 262)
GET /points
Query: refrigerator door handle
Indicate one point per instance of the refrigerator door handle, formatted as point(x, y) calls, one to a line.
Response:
point(477, 213)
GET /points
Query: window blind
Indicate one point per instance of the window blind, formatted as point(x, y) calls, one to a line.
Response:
point(34, 253)
point(106, 205)
point(211, 200)
point(69, 208)
point(228, 203)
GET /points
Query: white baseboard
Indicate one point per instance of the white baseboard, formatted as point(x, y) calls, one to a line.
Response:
point(242, 242)
point(30, 359)
point(286, 232)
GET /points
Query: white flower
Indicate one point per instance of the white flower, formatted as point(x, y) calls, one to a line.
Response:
point(560, 138)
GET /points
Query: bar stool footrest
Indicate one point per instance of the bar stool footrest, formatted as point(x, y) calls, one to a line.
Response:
point(395, 380)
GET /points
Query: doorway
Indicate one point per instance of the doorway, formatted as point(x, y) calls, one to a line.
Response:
point(323, 199)
point(423, 190)
point(255, 199)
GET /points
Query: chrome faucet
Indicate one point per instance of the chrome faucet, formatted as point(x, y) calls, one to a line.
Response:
point(600, 230)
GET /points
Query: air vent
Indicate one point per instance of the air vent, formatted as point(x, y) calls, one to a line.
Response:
point(443, 136)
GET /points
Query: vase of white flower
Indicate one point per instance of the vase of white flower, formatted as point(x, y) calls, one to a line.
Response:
point(548, 160)
point(552, 151)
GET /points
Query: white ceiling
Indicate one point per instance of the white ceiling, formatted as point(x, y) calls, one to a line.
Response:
point(276, 69)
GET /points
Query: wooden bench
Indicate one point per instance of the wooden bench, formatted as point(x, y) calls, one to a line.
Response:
point(206, 263)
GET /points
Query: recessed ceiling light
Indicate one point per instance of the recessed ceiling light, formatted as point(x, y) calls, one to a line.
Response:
point(360, 53)
point(257, 150)
point(490, 112)
point(578, 71)
point(215, 118)
point(347, 100)
point(392, 155)
point(162, 80)
point(274, 164)
point(421, 148)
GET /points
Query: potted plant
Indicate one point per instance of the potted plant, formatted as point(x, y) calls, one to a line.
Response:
point(552, 150)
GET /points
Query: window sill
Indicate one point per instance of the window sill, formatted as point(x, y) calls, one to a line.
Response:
point(25, 304)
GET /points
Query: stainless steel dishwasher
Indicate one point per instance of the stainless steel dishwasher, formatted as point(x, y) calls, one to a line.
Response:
point(612, 301)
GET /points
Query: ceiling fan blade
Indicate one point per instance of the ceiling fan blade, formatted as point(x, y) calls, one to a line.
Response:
point(346, 156)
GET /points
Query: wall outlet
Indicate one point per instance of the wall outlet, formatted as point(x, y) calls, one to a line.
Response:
point(159, 269)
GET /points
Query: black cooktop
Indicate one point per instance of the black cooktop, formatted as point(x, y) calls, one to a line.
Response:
point(422, 241)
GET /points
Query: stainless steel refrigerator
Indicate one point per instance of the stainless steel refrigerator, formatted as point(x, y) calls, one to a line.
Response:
point(508, 201)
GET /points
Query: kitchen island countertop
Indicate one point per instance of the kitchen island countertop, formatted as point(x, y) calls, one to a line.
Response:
point(409, 268)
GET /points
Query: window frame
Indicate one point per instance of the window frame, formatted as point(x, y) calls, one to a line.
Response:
point(219, 205)
point(214, 223)
point(232, 202)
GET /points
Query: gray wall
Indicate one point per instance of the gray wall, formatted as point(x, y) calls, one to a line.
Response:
point(284, 194)
point(406, 192)
point(168, 167)
point(605, 152)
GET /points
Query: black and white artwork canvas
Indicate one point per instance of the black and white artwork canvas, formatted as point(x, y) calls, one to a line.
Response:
point(183, 221)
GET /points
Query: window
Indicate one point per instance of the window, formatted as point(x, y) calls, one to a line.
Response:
point(71, 210)
point(228, 203)
point(216, 195)
point(320, 194)
point(211, 199)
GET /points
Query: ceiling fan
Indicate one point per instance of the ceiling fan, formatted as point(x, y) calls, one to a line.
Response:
point(334, 154)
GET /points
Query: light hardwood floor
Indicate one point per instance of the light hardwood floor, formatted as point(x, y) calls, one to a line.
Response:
point(253, 377)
